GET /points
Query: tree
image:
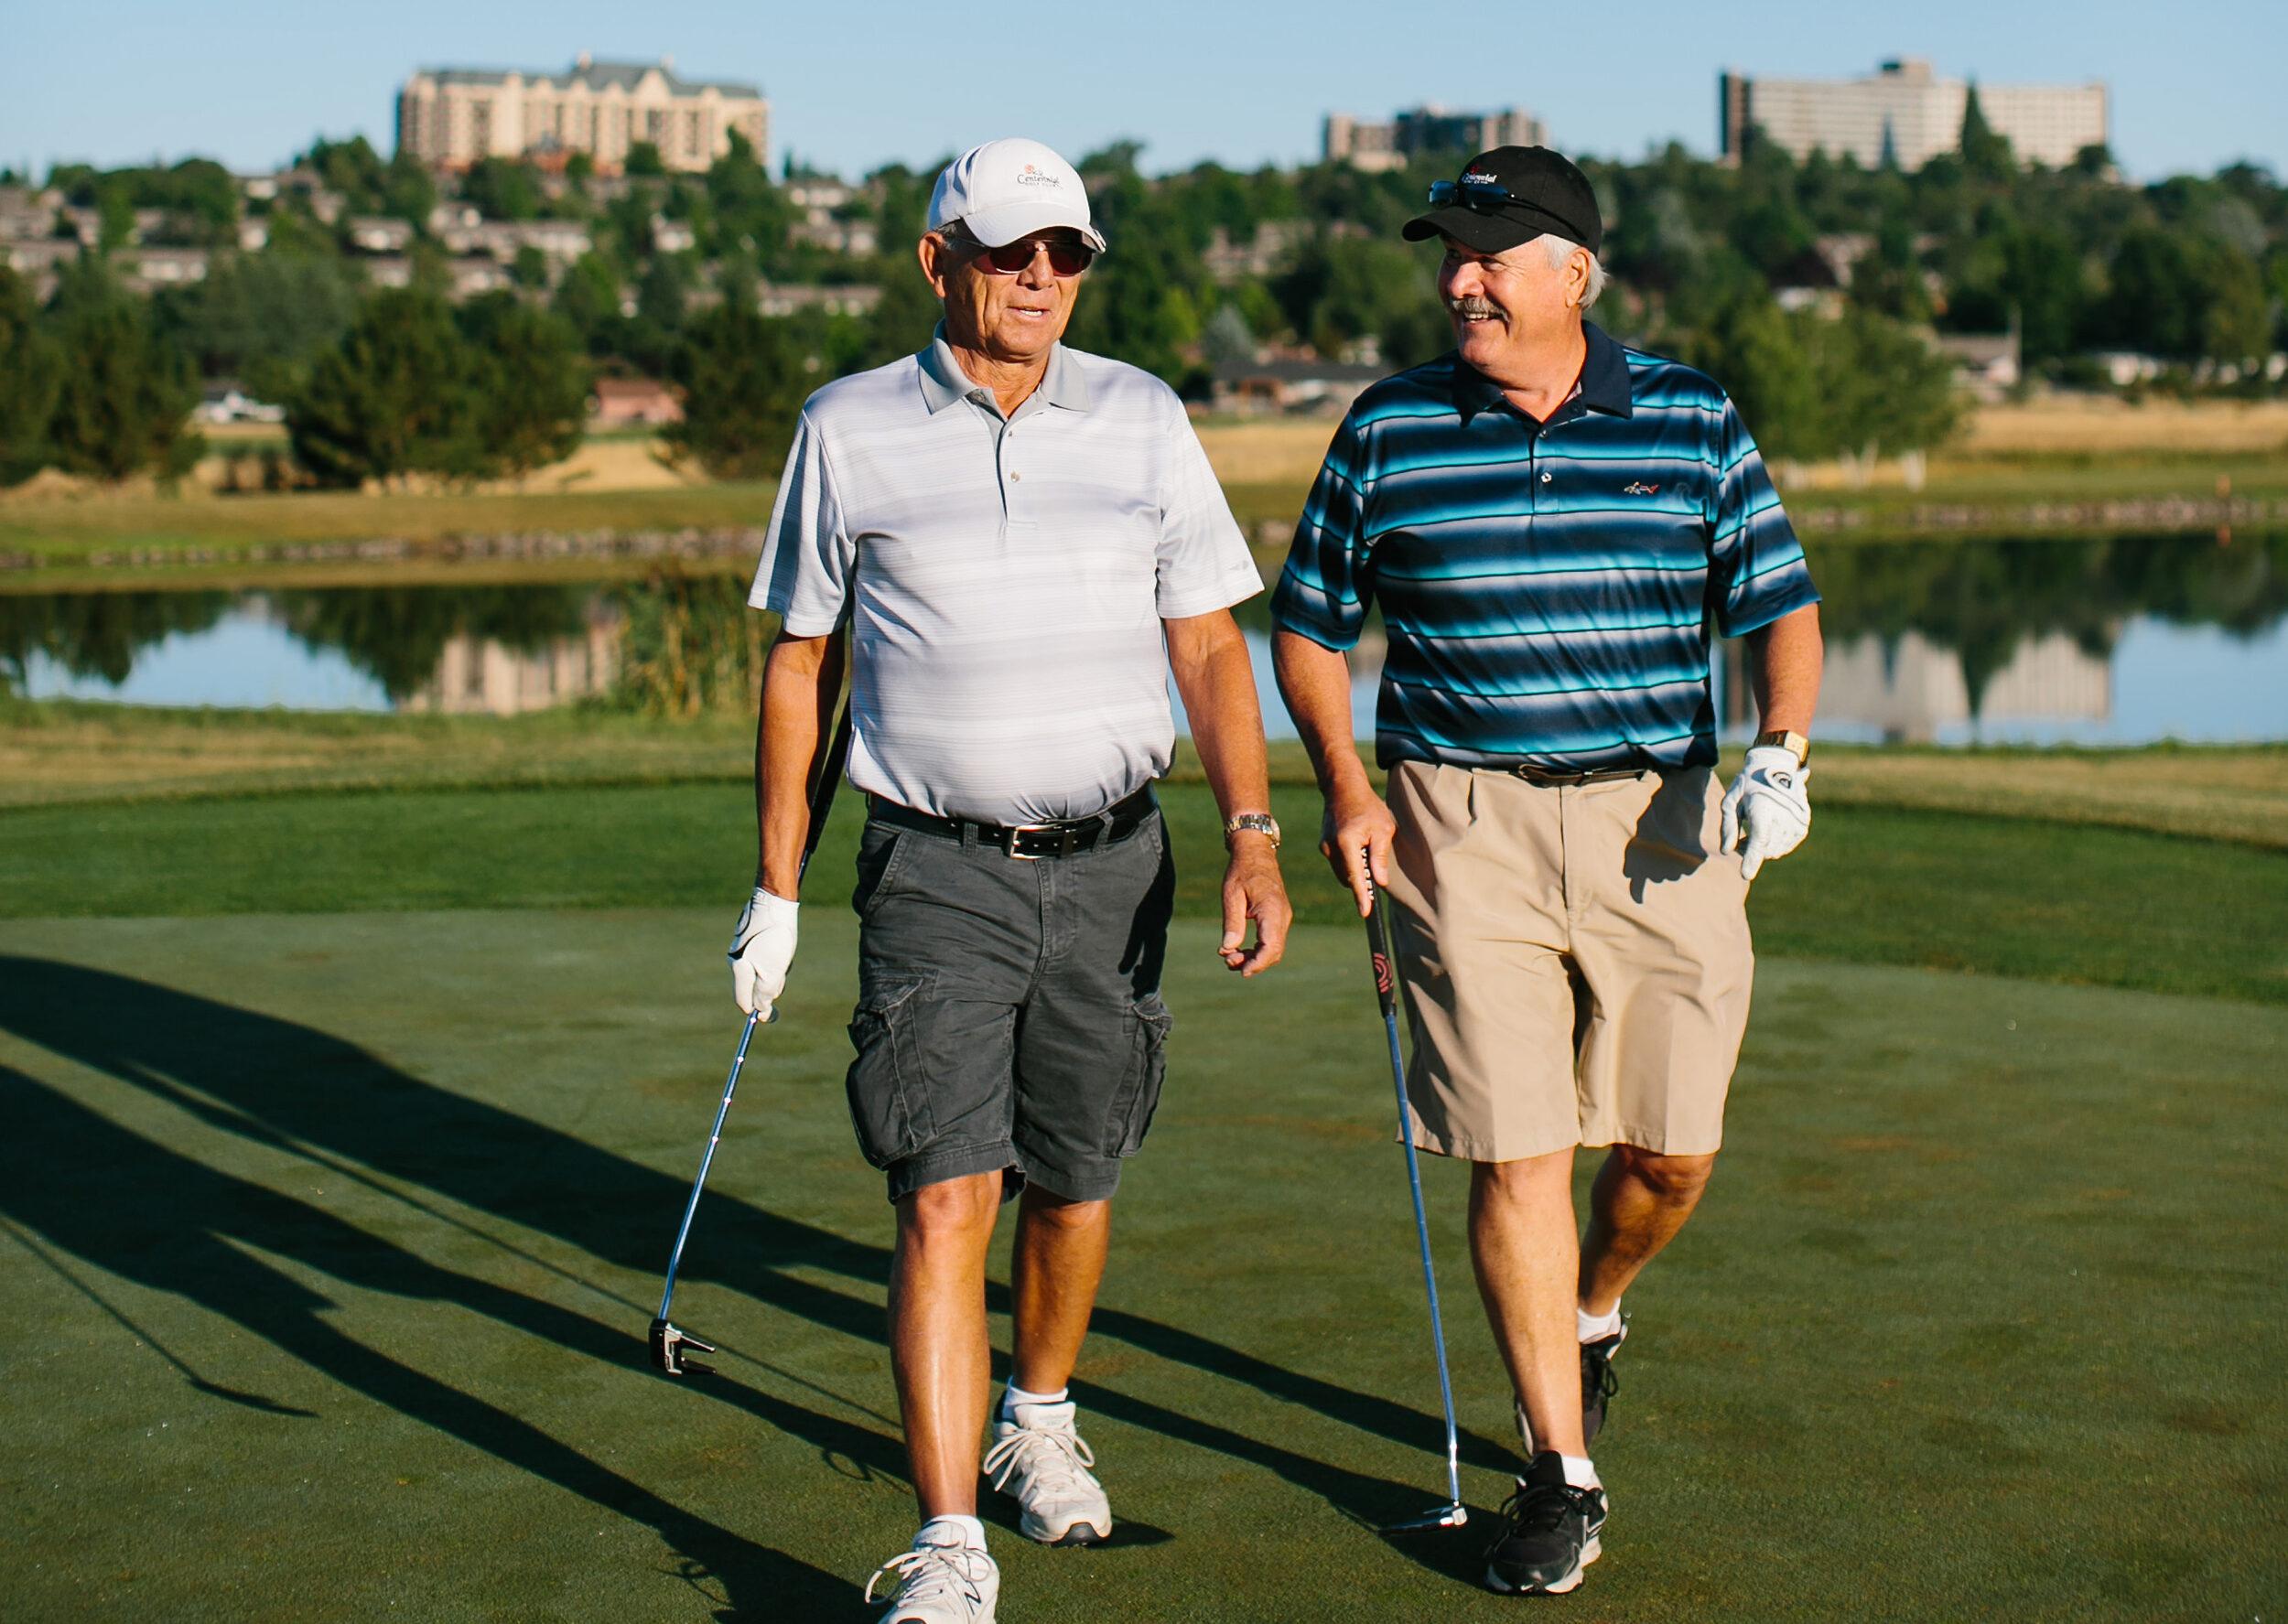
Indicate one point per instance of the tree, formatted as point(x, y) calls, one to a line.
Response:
point(503, 189)
point(254, 313)
point(2155, 300)
point(1985, 151)
point(588, 297)
point(529, 380)
point(395, 396)
point(124, 401)
point(29, 363)
point(2236, 327)
point(643, 159)
point(743, 382)
point(1880, 386)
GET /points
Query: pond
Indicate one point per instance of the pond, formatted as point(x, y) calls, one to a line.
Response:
point(2120, 640)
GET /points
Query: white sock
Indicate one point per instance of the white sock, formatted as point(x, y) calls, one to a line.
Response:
point(1596, 1327)
point(1014, 1396)
point(1579, 1473)
point(971, 1530)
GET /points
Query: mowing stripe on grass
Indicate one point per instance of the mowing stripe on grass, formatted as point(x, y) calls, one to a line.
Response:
point(2058, 902)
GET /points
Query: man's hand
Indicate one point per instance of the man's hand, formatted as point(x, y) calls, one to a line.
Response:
point(1254, 890)
point(1769, 801)
point(1355, 839)
point(761, 948)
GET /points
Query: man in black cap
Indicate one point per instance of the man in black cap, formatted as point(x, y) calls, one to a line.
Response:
point(1554, 526)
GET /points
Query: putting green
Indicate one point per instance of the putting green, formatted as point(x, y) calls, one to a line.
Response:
point(330, 1242)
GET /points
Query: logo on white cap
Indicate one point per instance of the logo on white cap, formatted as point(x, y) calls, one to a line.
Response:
point(1004, 190)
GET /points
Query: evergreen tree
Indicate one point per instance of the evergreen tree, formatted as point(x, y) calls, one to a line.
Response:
point(743, 384)
point(395, 396)
point(1985, 151)
point(531, 382)
point(29, 363)
point(124, 401)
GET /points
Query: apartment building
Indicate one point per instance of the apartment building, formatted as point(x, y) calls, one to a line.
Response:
point(450, 118)
point(1904, 115)
point(1376, 147)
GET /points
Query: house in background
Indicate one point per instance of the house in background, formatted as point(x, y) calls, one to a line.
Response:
point(633, 402)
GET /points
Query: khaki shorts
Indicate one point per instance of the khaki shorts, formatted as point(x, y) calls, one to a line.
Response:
point(1576, 961)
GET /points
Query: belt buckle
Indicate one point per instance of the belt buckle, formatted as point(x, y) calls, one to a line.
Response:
point(1016, 832)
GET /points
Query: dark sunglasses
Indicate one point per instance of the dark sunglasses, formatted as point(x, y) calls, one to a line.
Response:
point(1065, 259)
point(1475, 194)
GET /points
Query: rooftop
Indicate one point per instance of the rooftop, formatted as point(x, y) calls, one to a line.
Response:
point(597, 76)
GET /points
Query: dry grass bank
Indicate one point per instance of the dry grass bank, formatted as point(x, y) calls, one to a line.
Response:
point(2065, 425)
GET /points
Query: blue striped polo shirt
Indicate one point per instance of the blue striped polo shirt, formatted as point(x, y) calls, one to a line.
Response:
point(1549, 589)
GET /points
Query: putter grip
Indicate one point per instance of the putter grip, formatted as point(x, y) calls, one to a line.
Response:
point(1379, 949)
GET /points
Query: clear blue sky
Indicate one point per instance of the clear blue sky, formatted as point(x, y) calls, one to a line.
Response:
point(2194, 85)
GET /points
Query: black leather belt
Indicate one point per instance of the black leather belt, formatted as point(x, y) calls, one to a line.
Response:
point(1028, 840)
point(1545, 779)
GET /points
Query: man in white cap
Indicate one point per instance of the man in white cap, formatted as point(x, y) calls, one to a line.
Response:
point(1023, 540)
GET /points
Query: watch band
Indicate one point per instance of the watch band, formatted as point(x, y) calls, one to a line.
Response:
point(1787, 738)
point(1262, 823)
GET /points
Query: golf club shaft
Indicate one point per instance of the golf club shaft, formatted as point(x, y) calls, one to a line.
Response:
point(1386, 989)
point(715, 1137)
point(821, 802)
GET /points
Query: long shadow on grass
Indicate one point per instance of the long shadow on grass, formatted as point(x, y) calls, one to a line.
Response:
point(174, 1225)
point(294, 1088)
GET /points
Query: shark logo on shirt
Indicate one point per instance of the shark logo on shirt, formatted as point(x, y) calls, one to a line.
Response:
point(1638, 487)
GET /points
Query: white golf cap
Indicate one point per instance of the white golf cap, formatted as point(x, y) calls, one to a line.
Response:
point(1004, 189)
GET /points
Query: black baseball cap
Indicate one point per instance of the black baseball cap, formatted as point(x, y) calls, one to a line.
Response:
point(1512, 194)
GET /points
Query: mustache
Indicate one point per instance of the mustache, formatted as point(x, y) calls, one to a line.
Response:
point(1474, 305)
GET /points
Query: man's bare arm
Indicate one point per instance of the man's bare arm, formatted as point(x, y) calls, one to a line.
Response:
point(802, 678)
point(1783, 665)
point(1315, 682)
point(1208, 656)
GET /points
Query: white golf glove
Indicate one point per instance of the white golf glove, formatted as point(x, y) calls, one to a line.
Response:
point(761, 948)
point(1769, 801)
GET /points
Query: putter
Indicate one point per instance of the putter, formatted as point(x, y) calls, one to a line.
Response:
point(672, 1346)
point(1453, 1513)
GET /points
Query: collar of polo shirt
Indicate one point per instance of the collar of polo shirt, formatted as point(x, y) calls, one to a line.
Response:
point(1603, 386)
point(943, 382)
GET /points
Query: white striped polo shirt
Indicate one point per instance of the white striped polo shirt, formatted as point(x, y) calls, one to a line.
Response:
point(1005, 581)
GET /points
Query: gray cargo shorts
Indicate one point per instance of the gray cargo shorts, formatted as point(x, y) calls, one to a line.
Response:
point(1008, 1015)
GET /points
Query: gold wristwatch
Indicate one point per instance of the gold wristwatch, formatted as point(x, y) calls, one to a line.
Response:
point(1787, 738)
point(1259, 823)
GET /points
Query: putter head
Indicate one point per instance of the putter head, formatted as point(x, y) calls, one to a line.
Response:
point(672, 1349)
point(1452, 1514)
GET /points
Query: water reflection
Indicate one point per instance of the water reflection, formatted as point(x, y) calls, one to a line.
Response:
point(2119, 639)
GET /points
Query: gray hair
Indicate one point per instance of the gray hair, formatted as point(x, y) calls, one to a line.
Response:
point(1561, 249)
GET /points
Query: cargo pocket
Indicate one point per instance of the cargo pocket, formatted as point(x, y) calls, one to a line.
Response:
point(884, 1084)
point(1138, 1096)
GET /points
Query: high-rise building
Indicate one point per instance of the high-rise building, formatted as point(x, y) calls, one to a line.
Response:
point(1904, 115)
point(452, 117)
point(1419, 130)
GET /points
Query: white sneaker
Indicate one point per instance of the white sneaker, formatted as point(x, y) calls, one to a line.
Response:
point(1040, 1460)
point(939, 1583)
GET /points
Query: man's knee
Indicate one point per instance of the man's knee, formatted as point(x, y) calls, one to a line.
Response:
point(1043, 1208)
point(952, 1209)
point(1672, 1180)
point(1529, 1181)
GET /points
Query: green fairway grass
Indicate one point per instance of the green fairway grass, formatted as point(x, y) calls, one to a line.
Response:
point(329, 1240)
point(1874, 884)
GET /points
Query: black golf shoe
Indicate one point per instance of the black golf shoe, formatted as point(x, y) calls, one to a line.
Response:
point(1598, 1383)
point(1550, 1533)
